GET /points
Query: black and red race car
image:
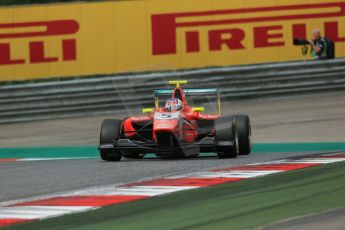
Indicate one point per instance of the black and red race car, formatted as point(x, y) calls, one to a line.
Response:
point(176, 130)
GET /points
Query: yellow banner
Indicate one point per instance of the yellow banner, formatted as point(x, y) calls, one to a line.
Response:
point(63, 40)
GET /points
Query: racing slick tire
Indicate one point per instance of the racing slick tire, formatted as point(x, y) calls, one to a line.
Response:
point(242, 123)
point(110, 131)
point(134, 155)
point(225, 132)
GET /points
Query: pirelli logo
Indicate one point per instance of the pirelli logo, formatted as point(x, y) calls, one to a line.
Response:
point(34, 34)
point(232, 37)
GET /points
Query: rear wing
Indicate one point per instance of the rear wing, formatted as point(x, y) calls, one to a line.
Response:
point(208, 91)
point(189, 92)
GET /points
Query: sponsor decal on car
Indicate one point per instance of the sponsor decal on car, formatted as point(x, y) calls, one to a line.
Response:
point(167, 116)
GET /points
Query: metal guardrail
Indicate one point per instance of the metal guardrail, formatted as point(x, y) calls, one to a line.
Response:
point(108, 94)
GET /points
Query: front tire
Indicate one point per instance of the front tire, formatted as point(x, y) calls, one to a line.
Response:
point(110, 132)
point(110, 155)
point(242, 123)
point(134, 155)
point(225, 132)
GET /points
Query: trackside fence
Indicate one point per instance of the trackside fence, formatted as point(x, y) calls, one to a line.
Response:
point(30, 101)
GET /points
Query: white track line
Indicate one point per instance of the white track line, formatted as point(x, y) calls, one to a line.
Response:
point(39, 212)
point(138, 190)
point(314, 160)
point(228, 174)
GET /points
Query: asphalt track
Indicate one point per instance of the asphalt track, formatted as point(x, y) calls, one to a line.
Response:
point(310, 118)
point(23, 179)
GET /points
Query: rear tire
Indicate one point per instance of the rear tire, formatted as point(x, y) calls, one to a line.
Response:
point(225, 131)
point(242, 123)
point(110, 132)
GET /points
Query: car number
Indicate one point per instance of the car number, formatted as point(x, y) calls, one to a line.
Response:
point(167, 116)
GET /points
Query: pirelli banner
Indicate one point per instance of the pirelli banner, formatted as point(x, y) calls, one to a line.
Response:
point(60, 40)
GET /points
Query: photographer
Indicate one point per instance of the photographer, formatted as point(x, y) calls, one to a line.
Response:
point(319, 46)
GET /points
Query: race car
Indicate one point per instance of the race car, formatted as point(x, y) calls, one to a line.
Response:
point(176, 129)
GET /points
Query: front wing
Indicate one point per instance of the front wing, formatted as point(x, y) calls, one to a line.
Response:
point(206, 144)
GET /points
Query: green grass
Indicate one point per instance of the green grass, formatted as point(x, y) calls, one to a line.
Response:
point(91, 151)
point(238, 205)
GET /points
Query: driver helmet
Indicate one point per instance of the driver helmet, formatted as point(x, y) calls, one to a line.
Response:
point(173, 104)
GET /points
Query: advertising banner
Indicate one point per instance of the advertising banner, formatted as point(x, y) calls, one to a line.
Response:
point(83, 39)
